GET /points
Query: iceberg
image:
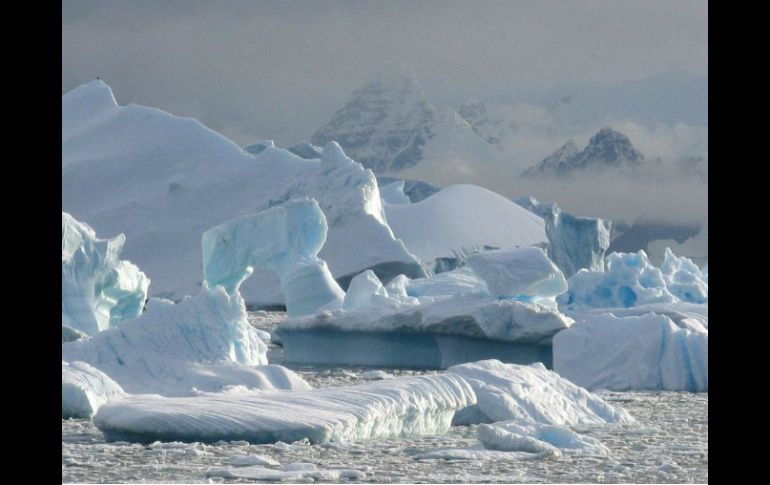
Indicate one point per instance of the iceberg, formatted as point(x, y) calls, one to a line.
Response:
point(520, 273)
point(463, 216)
point(393, 193)
point(531, 393)
point(285, 239)
point(163, 180)
point(574, 243)
point(84, 389)
point(631, 280)
point(432, 322)
point(603, 351)
point(387, 408)
point(545, 439)
point(259, 147)
point(306, 150)
point(99, 290)
point(203, 343)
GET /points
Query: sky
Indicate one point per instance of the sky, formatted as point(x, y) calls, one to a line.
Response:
point(278, 70)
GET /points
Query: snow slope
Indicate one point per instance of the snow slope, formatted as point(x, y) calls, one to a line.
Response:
point(463, 216)
point(163, 180)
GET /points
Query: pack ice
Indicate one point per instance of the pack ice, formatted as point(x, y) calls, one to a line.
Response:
point(99, 290)
point(285, 239)
point(499, 306)
point(163, 180)
point(203, 343)
point(388, 408)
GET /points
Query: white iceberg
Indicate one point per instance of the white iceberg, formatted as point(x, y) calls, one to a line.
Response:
point(545, 439)
point(633, 352)
point(99, 290)
point(429, 323)
point(293, 473)
point(393, 193)
point(574, 243)
point(84, 389)
point(164, 180)
point(387, 408)
point(506, 392)
point(631, 280)
point(463, 216)
point(203, 343)
point(285, 239)
point(520, 273)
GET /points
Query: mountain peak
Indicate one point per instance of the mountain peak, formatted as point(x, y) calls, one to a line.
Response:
point(606, 149)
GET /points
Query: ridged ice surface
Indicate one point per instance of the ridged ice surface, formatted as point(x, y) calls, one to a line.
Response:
point(393, 407)
point(668, 444)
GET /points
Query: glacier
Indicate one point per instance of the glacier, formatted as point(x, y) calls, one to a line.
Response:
point(648, 351)
point(574, 243)
point(203, 343)
point(388, 408)
point(632, 280)
point(163, 180)
point(99, 290)
point(531, 393)
point(84, 389)
point(285, 239)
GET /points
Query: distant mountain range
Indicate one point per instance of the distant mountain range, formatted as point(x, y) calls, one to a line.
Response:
point(606, 149)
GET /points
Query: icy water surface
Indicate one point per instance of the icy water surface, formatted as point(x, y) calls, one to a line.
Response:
point(669, 443)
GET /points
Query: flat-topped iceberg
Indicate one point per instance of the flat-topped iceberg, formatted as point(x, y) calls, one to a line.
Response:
point(603, 351)
point(163, 180)
point(574, 243)
point(285, 239)
point(203, 343)
point(388, 408)
point(632, 280)
point(99, 290)
point(531, 393)
point(439, 321)
point(84, 389)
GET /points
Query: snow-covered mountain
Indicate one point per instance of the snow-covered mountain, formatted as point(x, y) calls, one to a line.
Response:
point(389, 125)
point(606, 149)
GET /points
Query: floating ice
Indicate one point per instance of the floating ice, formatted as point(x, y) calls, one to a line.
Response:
point(387, 408)
point(631, 280)
point(463, 216)
point(393, 193)
point(289, 473)
point(306, 150)
point(164, 180)
point(203, 343)
point(534, 437)
point(516, 392)
point(98, 289)
point(632, 353)
point(520, 273)
point(574, 243)
point(259, 147)
point(285, 239)
point(366, 292)
point(84, 389)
